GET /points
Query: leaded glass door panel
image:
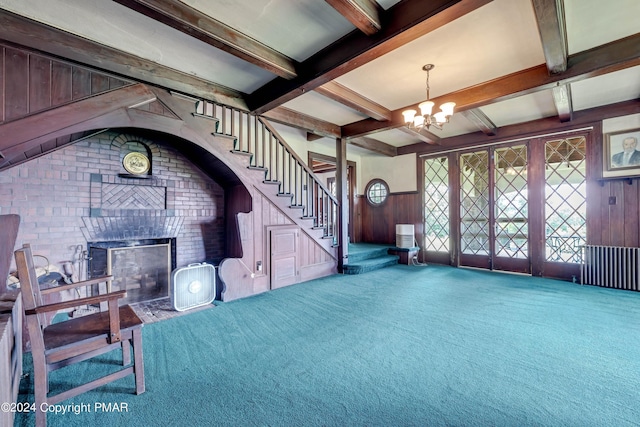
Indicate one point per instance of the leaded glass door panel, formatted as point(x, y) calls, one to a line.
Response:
point(494, 212)
point(565, 199)
point(511, 208)
point(475, 210)
point(436, 205)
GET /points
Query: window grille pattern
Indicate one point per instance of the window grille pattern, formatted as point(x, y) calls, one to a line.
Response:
point(565, 199)
point(511, 205)
point(436, 204)
point(474, 203)
point(377, 193)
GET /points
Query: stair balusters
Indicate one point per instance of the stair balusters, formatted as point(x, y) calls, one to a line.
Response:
point(281, 165)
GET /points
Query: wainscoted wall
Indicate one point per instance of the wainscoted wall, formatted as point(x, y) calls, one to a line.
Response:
point(80, 193)
point(379, 222)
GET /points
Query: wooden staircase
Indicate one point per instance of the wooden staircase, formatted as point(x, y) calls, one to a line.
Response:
point(283, 177)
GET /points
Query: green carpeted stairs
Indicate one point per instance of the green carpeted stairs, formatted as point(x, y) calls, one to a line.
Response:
point(364, 257)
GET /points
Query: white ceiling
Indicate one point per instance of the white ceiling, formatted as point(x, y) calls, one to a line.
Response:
point(497, 39)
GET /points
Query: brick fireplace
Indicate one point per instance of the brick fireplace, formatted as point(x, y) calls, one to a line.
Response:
point(80, 196)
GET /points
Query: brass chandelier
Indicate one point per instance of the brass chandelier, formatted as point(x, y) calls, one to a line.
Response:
point(425, 119)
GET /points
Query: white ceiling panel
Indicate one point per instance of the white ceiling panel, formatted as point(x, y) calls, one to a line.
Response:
point(296, 28)
point(521, 109)
point(139, 35)
point(606, 89)
point(323, 108)
point(592, 23)
point(496, 39)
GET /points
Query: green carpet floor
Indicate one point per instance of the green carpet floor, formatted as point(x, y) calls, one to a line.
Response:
point(402, 346)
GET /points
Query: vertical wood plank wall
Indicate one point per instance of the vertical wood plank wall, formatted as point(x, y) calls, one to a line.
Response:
point(38, 83)
point(379, 222)
point(611, 222)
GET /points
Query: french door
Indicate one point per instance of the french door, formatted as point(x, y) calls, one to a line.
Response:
point(494, 209)
point(517, 207)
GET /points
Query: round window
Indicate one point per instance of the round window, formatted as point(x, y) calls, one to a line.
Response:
point(377, 191)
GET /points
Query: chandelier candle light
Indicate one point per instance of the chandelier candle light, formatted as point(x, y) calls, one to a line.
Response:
point(425, 119)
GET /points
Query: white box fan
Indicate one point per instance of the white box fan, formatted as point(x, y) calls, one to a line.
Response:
point(405, 236)
point(193, 286)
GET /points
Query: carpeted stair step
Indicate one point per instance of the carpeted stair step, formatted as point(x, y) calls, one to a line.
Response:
point(369, 264)
point(364, 254)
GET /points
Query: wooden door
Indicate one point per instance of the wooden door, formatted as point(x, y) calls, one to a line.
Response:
point(284, 245)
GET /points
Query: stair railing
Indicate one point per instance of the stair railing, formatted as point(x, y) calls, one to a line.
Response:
point(281, 165)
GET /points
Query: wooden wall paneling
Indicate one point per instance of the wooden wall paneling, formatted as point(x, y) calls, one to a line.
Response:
point(358, 200)
point(81, 83)
point(99, 83)
point(631, 228)
point(16, 94)
point(596, 193)
point(237, 199)
point(2, 80)
point(454, 203)
point(115, 83)
point(605, 235)
point(616, 213)
point(257, 249)
point(61, 83)
point(419, 207)
point(536, 185)
point(39, 83)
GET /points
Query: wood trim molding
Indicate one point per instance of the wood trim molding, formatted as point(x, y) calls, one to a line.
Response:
point(563, 103)
point(375, 146)
point(346, 96)
point(481, 121)
point(551, 25)
point(364, 14)
point(302, 121)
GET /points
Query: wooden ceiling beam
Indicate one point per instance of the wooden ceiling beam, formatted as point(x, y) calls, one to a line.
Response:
point(313, 137)
point(562, 100)
point(552, 28)
point(375, 146)
point(536, 127)
point(364, 14)
point(481, 121)
point(29, 33)
point(351, 99)
point(302, 121)
point(188, 20)
point(404, 22)
point(615, 56)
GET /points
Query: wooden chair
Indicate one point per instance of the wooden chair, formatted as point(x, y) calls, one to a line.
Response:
point(8, 234)
point(62, 344)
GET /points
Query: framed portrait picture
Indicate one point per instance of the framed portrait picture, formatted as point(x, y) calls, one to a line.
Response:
point(622, 153)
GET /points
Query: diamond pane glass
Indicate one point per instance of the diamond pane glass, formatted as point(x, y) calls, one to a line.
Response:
point(566, 202)
point(436, 204)
point(511, 205)
point(474, 203)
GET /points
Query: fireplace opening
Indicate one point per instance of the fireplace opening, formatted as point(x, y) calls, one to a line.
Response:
point(141, 267)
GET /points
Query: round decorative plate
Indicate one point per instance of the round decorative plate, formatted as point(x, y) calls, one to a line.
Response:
point(136, 163)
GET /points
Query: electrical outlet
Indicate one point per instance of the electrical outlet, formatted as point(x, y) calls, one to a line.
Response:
point(259, 266)
point(612, 200)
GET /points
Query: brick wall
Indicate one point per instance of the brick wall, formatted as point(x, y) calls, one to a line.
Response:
point(65, 198)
